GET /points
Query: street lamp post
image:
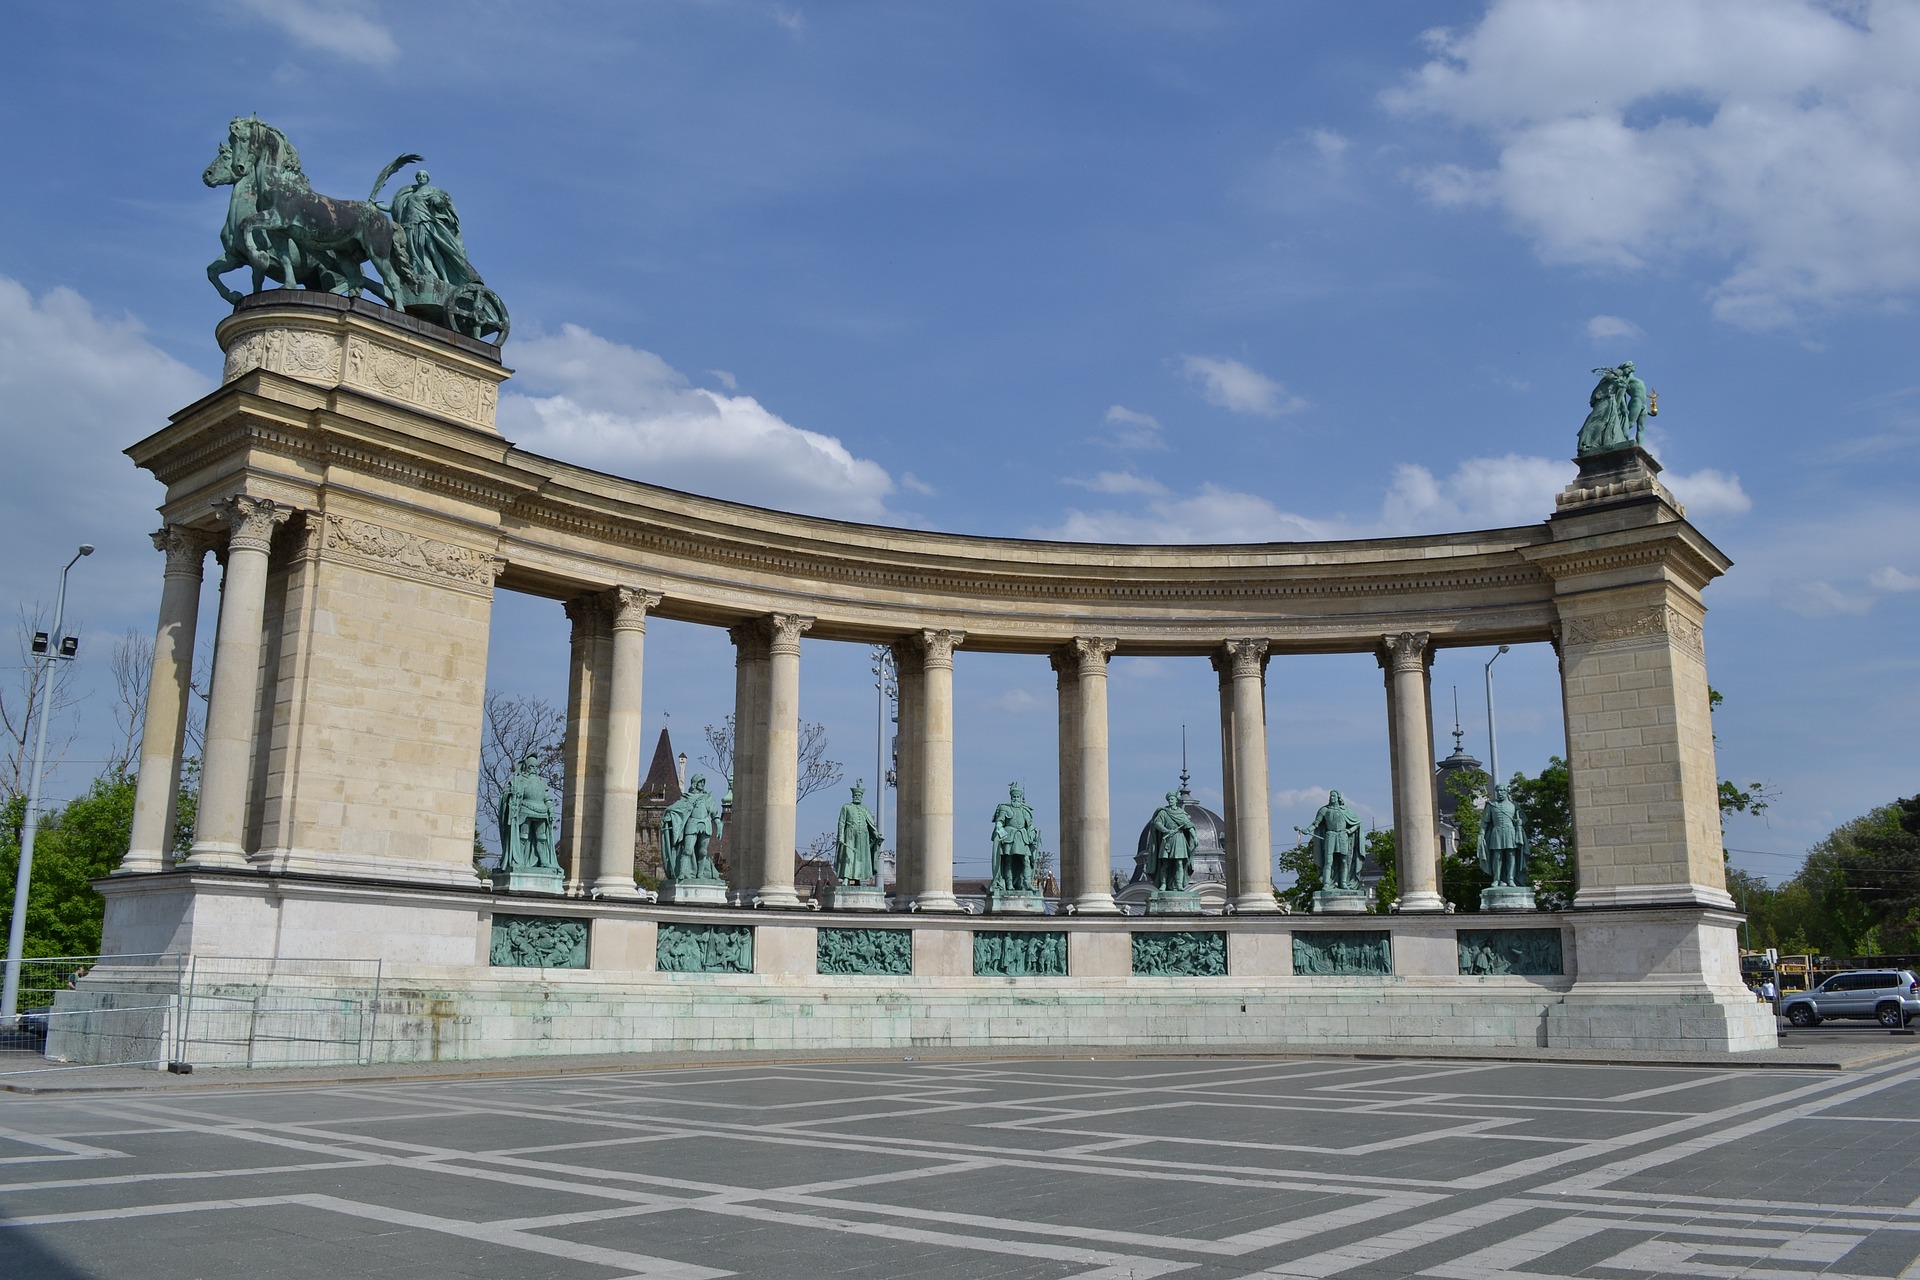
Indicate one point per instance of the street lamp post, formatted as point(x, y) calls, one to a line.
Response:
point(883, 685)
point(1493, 749)
point(56, 648)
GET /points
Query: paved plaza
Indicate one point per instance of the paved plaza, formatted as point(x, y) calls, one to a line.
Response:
point(1084, 1168)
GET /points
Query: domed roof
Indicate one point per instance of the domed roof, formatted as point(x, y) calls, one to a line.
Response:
point(1210, 845)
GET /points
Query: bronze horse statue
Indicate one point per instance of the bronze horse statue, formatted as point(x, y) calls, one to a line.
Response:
point(282, 229)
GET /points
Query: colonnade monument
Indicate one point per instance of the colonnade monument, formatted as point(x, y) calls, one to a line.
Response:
point(348, 480)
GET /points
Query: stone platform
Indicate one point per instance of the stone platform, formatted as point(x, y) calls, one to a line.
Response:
point(474, 974)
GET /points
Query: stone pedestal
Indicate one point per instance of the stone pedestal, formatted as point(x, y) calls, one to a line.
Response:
point(1014, 902)
point(530, 881)
point(856, 897)
point(1174, 902)
point(694, 893)
point(1509, 897)
point(1340, 902)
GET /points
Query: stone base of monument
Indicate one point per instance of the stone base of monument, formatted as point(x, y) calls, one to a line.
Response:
point(467, 974)
point(1340, 902)
point(694, 893)
point(856, 897)
point(1512, 897)
point(1173, 902)
point(530, 881)
point(1014, 902)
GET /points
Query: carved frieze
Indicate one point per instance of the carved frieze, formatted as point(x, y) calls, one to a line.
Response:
point(1196, 954)
point(1330, 953)
point(887, 952)
point(419, 381)
point(1019, 955)
point(411, 554)
point(542, 942)
point(1620, 626)
point(704, 948)
point(1536, 952)
point(312, 355)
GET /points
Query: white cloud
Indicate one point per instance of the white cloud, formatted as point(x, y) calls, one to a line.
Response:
point(1018, 702)
point(1708, 492)
point(1817, 598)
point(1611, 328)
point(1331, 145)
point(1780, 137)
point(1482, 493)
point(914, 484)
point(79, 387)
point(1211, 515)
point(1237, 388)
point(724, 378)
point(346, 29)
point(618, 408)
point(1135, 430)
point(1893, 581)
point(1119, 482)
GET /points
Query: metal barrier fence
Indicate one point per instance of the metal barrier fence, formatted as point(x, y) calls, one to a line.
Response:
point(179, 1011)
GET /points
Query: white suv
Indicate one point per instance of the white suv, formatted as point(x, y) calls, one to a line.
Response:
point(1890, 995)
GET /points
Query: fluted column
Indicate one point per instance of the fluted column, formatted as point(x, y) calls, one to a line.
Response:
point(781, 762)
point(749, 731)
point(1415, 840)
point(934, 890)
point(1066, 672)
point(1230, 809)
point(907, 658)
point(169, 689)
point(220, 823)
point(1253, 832)
point(620, 771)
point(1095, 820)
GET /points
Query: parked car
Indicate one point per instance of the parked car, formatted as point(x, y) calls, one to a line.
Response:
point(1890, 995)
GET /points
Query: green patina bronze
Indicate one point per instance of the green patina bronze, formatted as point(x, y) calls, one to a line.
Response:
point(1503, 841)
point(1197, 954)
point(1363, 952)
point(704, 948)
point(281, 229)
point(1016, 843)
point(1532, 952)
point(1019, 955)
point(1169, 855)
point(866, 951)
point(856, 842)
point(687, 828)
point(538, 942)
point(1338, 844)
point(1618, 411)
point(527, 821)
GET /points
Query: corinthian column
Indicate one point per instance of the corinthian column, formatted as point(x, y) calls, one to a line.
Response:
point(780, 760)
point(907, 659)
point(1066, 672)
point(220, 824)
point(1253, 832)
point(934, 891)
point(745, 820)
point(1095, 821)
point(1223, 668)
point(582, 750)
point(620, 771)
point(1416, 846)
point(169, 687)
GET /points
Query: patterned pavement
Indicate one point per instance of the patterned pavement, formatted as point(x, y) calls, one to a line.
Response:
point(1109, 1168)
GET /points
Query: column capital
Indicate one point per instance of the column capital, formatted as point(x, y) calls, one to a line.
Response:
point(1404, 652)
point(251, 521)
point(749, 640)
point(1088, 654)
point(1245, 658)
point(185, 548)
point(627, 607)
point(937, 646)
point(784, 631)
point(585, 612)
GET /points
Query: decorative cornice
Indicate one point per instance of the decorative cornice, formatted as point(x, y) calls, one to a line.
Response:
point(251, 521)
point(185, 548)
point(1621, 626)
point(627, 607)
point(1406, 653)
point(411, 555)
point(783, 633)
point(937, 646)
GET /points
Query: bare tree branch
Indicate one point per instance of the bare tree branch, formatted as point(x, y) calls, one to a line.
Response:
point(816, 770)
point(719, 755)
point(20, 705)
point(132, 667)
point(514, 727)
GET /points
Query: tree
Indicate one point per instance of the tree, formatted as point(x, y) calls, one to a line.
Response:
point(1546, 807)
point(1754, 797)
point(39, 681)
point(1461, 878)
point(513, 727)
point(816, 772)
point(132, 669)
point(1383, 850)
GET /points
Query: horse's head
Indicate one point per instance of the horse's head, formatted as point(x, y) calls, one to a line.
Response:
point(222, 172)
point(253, 147)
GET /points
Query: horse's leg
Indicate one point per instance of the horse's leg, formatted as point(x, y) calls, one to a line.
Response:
point(219, 267)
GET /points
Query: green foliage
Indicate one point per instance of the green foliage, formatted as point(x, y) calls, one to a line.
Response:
point(1306, 872)
point(1381, 848)
point(1545, 804)
point(1461, 878)
point(82, 842)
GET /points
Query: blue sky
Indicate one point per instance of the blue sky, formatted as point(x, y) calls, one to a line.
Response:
point(1129, 271)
